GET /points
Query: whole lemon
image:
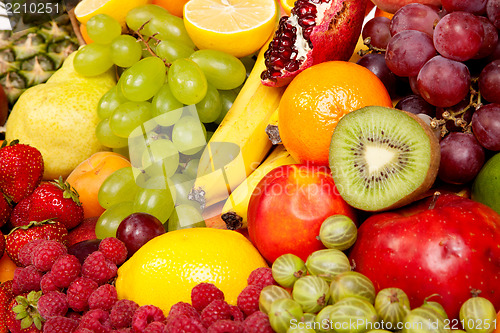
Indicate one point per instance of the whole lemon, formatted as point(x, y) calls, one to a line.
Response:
point(165, 269)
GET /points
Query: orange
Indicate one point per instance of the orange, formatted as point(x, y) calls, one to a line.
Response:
point(317, 99)
point(88, 176)
point(7, 268)
point(85, 35)
point(174, 7)
point(380, 12)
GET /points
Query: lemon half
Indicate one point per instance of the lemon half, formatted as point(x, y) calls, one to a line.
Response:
point(117, 9)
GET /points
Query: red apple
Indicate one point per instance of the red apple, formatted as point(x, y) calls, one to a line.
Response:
point(446, 245)
point(391, 6)
point(287, 208)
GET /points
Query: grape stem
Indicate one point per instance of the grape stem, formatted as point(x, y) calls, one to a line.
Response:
point(371, 48)
point(147, 40)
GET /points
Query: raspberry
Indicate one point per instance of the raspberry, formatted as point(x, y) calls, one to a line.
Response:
point(124, 330)
point(98, 268)
point(217, 310)
point(114, 250)
point(183, 308)
point(155, 327)
point(145, 315)
point(236, 313)
point(52, 304)
point(103, 297)
point(185, 324)
point(47, 283)
point(82, 330)
point(27, 279)
point(74, 315)
point(46, 253)
point(248, 299)
point(226, 326)
point(65, 270)
point(122, 313)
point(203, 294)
point(96, 320)
point(25, 254)
point(78, 293)
point(262, 276)
point(257, 322)
point(60, 324)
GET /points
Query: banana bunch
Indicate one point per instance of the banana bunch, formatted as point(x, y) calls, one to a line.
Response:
point(240, 143)
point(234, 212)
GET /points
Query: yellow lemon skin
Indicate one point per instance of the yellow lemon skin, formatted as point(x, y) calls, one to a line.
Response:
point(164, 270)
point(117, 9)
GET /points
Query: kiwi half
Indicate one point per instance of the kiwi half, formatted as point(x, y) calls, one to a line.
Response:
point(383, 158)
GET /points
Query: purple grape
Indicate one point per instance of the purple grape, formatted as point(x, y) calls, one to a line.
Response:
point(443, 82)
point(489, 82)
point(472, 6)
point(414, 16)
point(82, 249)
point(486, 126)
point(137, 229)
point(408, 51)
point(458, 36)
point(416, 104)
point(462, 157)
point(412, 80)
point(495, 54)
point(375, 62)
point(490, 39)
point(378, 30)
point(493, 12)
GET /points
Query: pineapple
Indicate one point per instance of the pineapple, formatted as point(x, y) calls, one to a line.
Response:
point(29, 57)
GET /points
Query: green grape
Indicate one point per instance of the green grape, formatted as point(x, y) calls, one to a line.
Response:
point(353, 315)
point(227, 98)
point(171, 50)
point(185, 216)
point(92, 59)
point(210, 107)
point(102, 28)
point(420, 320)
point(224, 71)
point(109, 221)
point(109, 102)
point(163, 104)
point(338, 232)
point(477, 315)
point(248, 62)
point(392, 305)
point(136, 17)
point(183, 185)
point(169, 27)
point(159, 203)
point(106, 136)
point(191, 168)
point(128, 116)
point(327, 263)
point(352, 284)
point(119, 186)
point(209, 135)
point(188, 135)
point(145, 50)
point(287, 269)
point(143, 80)
point(322, 320)
point(161, 158)
point(311, 292)
point(284, 312)
point(187, 81)
point(125, 51)
point(269, 294)
point(122, 151)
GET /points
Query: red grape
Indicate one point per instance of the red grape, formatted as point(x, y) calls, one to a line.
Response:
point(486, 126)
point(490, 39)
point(459, 36)
point(378, 30)
point(495, 54)
point(137, 229)
point(493, 12)
point(462, 157)
point(489, 82)
point(375, 62)
point(471, 6)
point(408, 51)
point(414, 16)
point(82, 249)
point(416, 104)
point(443, 82)
point(412, 80)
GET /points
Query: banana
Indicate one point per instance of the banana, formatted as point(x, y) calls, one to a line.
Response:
point(234, 212)
point(240, 142)
point(272, 129)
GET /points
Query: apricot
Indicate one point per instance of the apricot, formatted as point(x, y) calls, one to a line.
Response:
point(7, 268)
point(88, 176)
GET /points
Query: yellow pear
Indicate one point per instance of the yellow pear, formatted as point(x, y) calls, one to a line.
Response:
point(59, 118)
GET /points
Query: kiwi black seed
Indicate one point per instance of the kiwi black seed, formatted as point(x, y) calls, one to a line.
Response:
point(383, 158)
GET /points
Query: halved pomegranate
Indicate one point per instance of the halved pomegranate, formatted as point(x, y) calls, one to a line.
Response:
point(316, 31)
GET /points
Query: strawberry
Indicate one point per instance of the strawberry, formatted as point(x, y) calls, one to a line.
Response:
point(5, 209)
point(56, 200)
point(2, 244)
point(20, 236)
point(21, 170)
point(19, 216)
point(23, 316)
point(6, 297)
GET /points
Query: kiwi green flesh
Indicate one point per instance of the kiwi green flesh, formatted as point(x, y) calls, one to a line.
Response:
point(382, 158)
